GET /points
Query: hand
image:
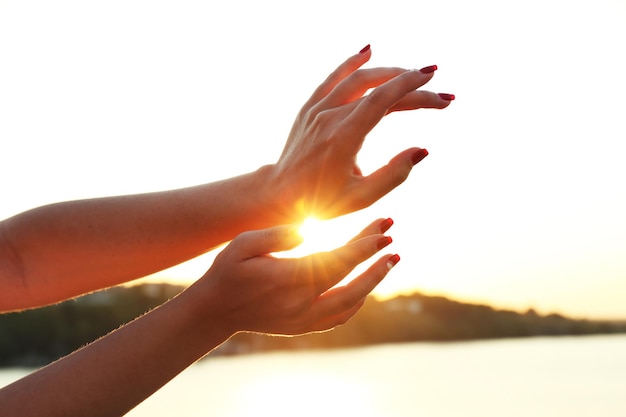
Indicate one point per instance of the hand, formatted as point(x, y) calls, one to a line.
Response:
point(317, 171)
point(250, 290)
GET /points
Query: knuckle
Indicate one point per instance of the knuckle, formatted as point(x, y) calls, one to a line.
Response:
point(305, 115)
point(359, 77)
point(376, 97)
point(348, 302)
point(334, 77)
point(319, 119)
point(399, 173)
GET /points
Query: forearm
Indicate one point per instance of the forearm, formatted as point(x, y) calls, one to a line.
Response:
point(244, 290)
point(114, 374)
point(66, 249)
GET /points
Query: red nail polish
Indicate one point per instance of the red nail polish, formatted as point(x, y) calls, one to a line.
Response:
point(448, 97)
point(429, 69)
point(383, 241)
point(393, 261)
point(385, 225)
point(365, 49)
point(419, 155)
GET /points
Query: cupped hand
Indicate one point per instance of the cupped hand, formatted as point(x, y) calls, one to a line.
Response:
point(317, 173)
point(251, 290)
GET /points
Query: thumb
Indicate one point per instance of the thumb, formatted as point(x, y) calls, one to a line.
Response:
point(388, 177)
point(264, 241)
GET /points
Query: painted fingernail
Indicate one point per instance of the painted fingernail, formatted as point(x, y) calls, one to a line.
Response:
point(365, 49)
point(448, 97)
point(419, 155)
point(429, 69)
point(393, 261)
point(383, 241)
point(385, 225)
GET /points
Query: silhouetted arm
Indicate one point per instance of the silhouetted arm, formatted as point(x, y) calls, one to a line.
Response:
point(246, 289)
point(62, 250)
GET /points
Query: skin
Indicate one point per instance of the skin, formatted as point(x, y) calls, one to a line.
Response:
point(62, 250)
point(246, 289)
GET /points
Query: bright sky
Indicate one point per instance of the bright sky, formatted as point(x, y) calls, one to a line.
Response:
point(520, 203)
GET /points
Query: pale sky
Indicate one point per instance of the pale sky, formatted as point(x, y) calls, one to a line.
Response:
point(520, 203)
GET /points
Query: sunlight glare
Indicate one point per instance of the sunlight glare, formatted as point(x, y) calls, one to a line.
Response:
point(311, 231)
point(328, 235)
point(319, 236)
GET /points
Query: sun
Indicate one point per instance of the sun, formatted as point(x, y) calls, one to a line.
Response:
point(310, 229)
point(320, 235)
point(327, 235)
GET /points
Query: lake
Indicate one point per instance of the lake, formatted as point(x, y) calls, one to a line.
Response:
point(560, 376)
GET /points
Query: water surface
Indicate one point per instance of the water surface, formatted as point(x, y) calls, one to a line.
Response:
point(566, 376)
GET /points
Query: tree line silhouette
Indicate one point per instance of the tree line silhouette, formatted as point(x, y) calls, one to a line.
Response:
point(37, 337)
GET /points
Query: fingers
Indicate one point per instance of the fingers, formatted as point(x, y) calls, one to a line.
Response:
point(388, 177)
point(261, 242)
point(339, 304)
point(376, 227)
point(327, 323)
point(373, 107)
point(329, 268)
point(346, 68)
point(356, 84)
point(422, 100)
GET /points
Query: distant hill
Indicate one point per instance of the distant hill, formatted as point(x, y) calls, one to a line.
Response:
point(418, 317)
point(37, 337)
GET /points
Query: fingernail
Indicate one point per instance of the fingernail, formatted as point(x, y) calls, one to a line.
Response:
point(429, 69)
point(383, 241)
point(419, 155)
point(392, 261)
point(365, 49)
point(385, 225)
point(448, 97)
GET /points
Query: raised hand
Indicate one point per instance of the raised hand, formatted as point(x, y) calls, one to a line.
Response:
point(317, 172)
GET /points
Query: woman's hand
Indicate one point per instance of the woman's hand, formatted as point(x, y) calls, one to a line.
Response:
point(251, 290)
point(245, 289)
point(317, 172)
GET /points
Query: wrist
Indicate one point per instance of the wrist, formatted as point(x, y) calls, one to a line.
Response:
point(278, 200)
point(203, 317)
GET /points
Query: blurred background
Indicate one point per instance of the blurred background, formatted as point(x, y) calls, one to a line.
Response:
point(518, 207)
point(519, 204)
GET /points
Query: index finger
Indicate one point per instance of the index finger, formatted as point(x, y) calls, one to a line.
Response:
point(341, 72)
point(377, 104)
point(376, 227)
